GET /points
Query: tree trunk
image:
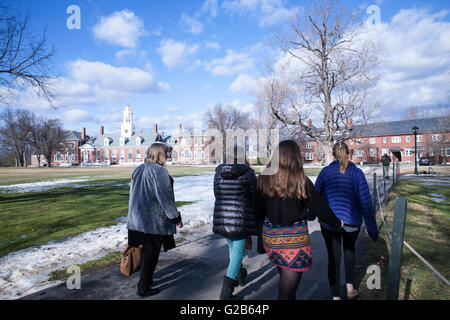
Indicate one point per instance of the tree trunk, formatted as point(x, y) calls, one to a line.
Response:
point(328, 150)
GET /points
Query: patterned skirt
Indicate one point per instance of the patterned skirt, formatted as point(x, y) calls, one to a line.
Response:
point(288, 247)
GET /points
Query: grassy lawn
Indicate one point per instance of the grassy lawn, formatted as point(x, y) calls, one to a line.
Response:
point(10, 176)
point(427, 231)
point(29, 219)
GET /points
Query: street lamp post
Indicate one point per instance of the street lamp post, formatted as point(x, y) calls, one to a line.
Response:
point(415, 149)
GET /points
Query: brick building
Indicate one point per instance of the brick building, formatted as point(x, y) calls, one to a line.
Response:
point(69, 154)
point(371, 141)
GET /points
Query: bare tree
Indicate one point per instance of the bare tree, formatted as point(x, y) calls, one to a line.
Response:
point(224, 118)
point(24, 57)
point(14, 134)
point(327, 72)
point(47, 138)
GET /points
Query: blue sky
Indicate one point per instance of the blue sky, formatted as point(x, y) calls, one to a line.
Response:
point(171, 60)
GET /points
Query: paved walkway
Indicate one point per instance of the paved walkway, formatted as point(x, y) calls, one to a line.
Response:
point(194, 271)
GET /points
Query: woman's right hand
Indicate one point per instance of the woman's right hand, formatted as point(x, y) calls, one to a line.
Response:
point(180, 224)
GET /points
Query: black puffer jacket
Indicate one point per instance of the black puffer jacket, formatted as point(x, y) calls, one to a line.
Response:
point(235, 189)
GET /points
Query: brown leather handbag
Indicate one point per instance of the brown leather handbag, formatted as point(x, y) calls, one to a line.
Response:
point(131, 260)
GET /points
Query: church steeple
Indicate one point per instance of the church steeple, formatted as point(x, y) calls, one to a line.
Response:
point(127, 126)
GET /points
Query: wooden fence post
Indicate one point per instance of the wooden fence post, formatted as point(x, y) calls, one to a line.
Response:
point(395, 256)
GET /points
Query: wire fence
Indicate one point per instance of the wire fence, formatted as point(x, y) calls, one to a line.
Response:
point(429, 265)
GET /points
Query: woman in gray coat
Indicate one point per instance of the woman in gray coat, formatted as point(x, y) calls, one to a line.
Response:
point(152, 214)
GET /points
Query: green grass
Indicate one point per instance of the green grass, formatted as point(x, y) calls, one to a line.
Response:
point(29, 219)
point(10, 176)
point(427, 231)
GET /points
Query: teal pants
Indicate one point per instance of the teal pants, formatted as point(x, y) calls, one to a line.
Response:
point(236, 251)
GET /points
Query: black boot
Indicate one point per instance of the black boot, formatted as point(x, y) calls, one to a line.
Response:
point(227, 289)
point(241, 276)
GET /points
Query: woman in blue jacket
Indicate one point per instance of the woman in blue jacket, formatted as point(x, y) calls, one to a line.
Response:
point(344, 187)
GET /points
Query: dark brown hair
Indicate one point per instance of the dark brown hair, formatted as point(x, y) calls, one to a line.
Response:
point(290, 180)
point(341, 152)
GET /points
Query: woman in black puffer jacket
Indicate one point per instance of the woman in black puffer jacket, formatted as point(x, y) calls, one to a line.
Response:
point(234, 218)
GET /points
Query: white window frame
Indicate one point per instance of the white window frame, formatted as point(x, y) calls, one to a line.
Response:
point(359, 153)
point(384, 140)
point(372, 141)
point(419, 138)
point(384, 151)
point(106, 142)
point(199, 152)
point(138, 154)
point(373, 153)
point(309, 145)
point(138, 141)
point(309, 156)
point(408, 139)
point(436, 137)
point(409, 152)
point(106, 155)
point(396, 139)
point(122, 155)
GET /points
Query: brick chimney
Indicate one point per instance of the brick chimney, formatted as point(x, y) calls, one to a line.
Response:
point(155, 128)
point(180, 128)
point(83, 133)
point(309, 123)
point(102, 130)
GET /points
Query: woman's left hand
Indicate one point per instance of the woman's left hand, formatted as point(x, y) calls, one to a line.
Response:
point(180, 224)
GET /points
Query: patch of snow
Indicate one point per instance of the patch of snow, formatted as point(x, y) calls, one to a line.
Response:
point(41, 186)
point(27, 271)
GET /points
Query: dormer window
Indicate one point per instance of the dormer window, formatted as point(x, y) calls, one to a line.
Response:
point(138, 141)
point(122, 141)
point(106, 142)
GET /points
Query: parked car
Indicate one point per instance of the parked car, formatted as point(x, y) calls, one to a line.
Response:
point(426, 161)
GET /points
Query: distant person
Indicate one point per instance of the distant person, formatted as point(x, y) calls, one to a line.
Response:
point(283, 201)
point(344, 187)
point(234, 218)
point(152, 214)
point(386, 160)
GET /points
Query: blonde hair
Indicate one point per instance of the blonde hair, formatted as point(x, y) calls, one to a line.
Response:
point(341, 152)
point(157, 153)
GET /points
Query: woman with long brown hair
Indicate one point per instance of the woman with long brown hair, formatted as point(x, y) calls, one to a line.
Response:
point(152, 215)
point(284, 199)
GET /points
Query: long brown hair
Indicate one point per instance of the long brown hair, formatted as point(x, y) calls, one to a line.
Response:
point(157, 153)
point(290, 180)
point(341, 152)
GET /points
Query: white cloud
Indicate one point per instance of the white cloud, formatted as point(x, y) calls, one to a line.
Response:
point(191, 25)
point(77, 115)
point(211, 7)
point(122, 28)
point(175, 53)
point(415, 69)
point(243, 83)
point(212, 45)
point(106, 77)
point(231, 64)
point(266, 12)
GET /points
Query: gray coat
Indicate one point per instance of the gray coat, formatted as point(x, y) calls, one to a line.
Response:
point(152, 207)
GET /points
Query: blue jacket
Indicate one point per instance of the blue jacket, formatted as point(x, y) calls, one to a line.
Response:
point(348, 196)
